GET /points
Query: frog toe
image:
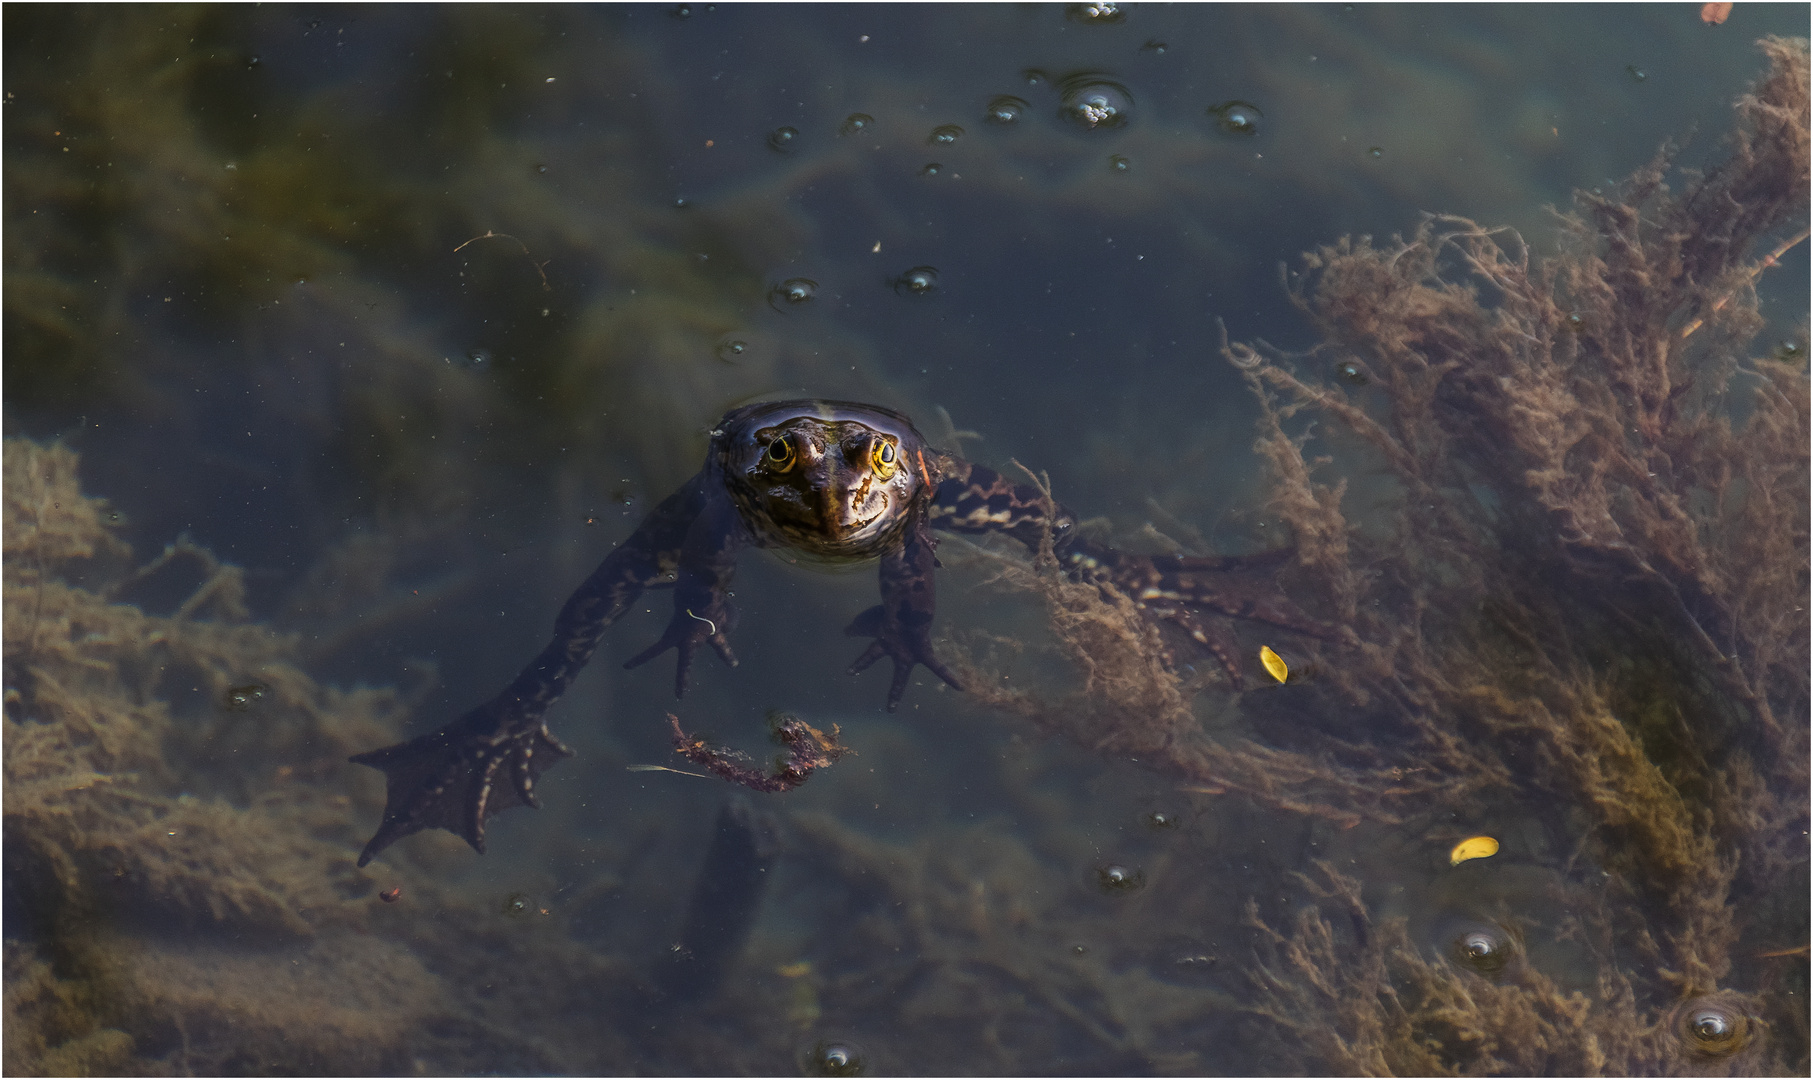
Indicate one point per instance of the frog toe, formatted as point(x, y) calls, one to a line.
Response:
point(455, 778)
point(904, 658)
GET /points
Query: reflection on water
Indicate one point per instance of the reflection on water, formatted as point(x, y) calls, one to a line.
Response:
point(395, 320)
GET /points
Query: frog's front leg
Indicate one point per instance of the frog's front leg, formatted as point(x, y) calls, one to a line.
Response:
point(488, 760)
point(902, 623)
point(702, 609)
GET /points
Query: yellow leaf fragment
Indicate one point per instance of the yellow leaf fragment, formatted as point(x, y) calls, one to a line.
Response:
point(1473, 847)
point(1273, 663)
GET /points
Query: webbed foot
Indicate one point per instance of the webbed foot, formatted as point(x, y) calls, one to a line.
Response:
point(685, 632)
point(907, 645)
point(458, 776)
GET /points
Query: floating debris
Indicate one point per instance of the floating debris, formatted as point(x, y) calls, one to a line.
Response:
point(1274, 664)
point(1473, 847)
point(808, 750)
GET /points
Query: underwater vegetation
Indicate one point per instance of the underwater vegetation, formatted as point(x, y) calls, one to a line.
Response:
point(1560, 503)
point(1591, 592)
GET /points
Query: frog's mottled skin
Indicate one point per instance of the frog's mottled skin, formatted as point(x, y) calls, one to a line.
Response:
point(831, 479)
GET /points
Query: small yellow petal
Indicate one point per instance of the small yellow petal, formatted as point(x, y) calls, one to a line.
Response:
point(1473, 847)
point(1273, 663)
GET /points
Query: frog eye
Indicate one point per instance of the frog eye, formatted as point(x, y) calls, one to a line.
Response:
point(781, 453)
point(882, 457)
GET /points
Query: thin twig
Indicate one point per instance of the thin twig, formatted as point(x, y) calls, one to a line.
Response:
point(545, 287)
point(1755, 271)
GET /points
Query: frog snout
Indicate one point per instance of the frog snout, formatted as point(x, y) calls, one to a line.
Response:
point(850, 509)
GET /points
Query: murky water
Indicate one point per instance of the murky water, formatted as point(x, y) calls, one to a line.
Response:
point(412, 313)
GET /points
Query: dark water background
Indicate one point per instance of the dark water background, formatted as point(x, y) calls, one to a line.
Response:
point(233, 285)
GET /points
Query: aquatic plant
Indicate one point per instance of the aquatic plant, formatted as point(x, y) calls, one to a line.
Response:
point(1593, 587)
point(1588, 589)
point(180, 888)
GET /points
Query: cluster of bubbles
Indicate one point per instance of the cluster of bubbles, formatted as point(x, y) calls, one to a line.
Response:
point(1096, 13)
point(1093, 102)
point(1090, 101)
point(242, 698)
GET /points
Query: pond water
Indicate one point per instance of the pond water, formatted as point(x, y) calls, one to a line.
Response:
point(412, 313)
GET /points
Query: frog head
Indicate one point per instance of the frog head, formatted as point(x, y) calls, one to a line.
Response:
point(834, 480)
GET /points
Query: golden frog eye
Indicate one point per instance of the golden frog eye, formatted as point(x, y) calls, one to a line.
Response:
point(781, 453)
point(883, 457)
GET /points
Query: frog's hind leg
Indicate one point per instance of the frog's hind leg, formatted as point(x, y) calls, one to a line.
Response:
point(1213, 635)
point(1238, 586)
point(488, 760)
point(457, 777)
point(1201, 595)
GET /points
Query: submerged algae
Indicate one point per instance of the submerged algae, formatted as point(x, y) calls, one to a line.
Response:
point(138, 911)
point(1593, 590)
point(181, 896)
point(1588, 594)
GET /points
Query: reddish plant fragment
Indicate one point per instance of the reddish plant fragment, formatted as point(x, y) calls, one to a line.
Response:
point(808, 749)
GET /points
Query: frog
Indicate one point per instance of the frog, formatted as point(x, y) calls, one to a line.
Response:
point(835, 482)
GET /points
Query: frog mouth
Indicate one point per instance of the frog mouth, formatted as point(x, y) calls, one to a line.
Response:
point(847, 529)
point(843, 515)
